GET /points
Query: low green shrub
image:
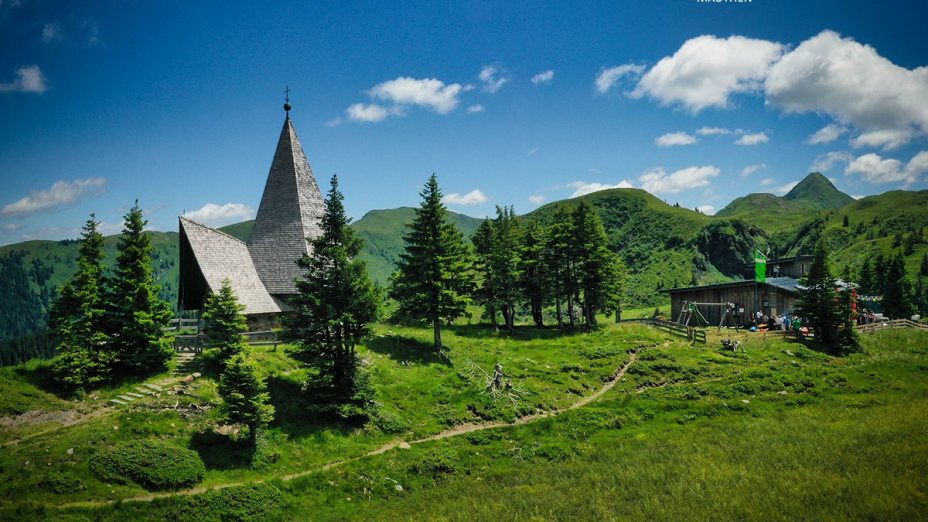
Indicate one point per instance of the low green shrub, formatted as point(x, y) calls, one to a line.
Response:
point(61, 482)
point(149, 463)
point(437, 463)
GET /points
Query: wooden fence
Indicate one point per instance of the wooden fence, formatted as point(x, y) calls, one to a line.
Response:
point(889, 325)
point(695, 335)
point(196, 343)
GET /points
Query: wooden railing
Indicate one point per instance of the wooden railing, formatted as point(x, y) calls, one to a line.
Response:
point(693, 334)
point(196, 343)
point(888, 325)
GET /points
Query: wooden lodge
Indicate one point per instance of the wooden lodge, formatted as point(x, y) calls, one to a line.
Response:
point(776, 295)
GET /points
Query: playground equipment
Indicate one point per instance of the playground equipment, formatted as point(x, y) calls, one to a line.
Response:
point(690, 310)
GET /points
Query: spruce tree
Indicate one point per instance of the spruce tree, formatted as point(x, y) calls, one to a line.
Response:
point(77, 317)
point(336, 303)
point(847, 340)
point(434, 279)
point(597, 267)
point(532, 270)
point(483, 263)
point(897, 293)
point(244, 396)
point(136, 315)
point(866, 277)
point(505, 264)
point(923, 269)
point(817, 303)
point(224, 322)
point(559, 263)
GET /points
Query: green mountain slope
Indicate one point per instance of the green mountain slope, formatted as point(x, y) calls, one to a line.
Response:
point(774, 213)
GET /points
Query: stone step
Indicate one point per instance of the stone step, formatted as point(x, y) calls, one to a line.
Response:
point(117, 401)
point(153, 387)
point(126, 398)
point(136, 395)
point(144, 391)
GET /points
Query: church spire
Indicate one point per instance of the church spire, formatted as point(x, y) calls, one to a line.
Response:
point(287, 106)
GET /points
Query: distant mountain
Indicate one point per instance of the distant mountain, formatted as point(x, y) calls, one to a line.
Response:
point(774, 213)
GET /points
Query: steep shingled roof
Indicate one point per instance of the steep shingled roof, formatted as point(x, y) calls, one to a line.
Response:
point(290, 211)
point(219, 256)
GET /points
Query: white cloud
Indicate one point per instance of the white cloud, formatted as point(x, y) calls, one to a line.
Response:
point(60, 194)
point(428, 92)
point(824, 162)
point(475, 108)
point(474, 197)
point(219, 215)
point(334, 122)
point(537, 199)
point(10, 227)
point(51, 32)
point(608, 77)
point(858, 196)
point(543, 77)
point(783, 189)
point(369, 112)
point(767, 181)
point(706, 71)
point(827, 134)
point(751, 169)
point(854, 84)
point(706, 209)
point(656, 181)
point(28, 79)
point(532, 151)
point(712, 131)
point(675, 138)
point(492, 83)
point(582, 188)
point(752, 139)
point(875, 169)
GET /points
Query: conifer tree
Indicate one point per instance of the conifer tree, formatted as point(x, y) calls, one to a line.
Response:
point(923, 269)
point(136, 315)
point(847, 340)
point(224, 322)
point(244, 396)
point(897, 292)
point(559, 263)
point(597, 267)
point(817, 302)
point(532, 269)
point(77, 317)
point(483, 248)
point(866, 277)
point(504, 261)
point(434, 278)
point(336, 303)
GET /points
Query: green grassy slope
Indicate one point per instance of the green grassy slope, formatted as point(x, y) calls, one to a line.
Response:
point(778, 432)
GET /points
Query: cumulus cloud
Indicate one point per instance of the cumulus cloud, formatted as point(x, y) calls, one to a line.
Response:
point(767, 181)
point(783, 189)
point(582, 188)
point(751, 169)
point(854, 84)
point(491, 82)
point(51, 32)
point(752, 139)
point(60, 194)
point(609, 77)
point(706, 71)
point(428, 92)
point(827, 134)
point(10, 227)
point(876, 169)
point(657, 181)
point(537, 199)
point(543, 77)
point(706, 209)
point(824, 162)
point(474, 197)
point(674, 138)
point(475, 108)
point(712, 131)
point(28, 79)
point(368, 112)
point(219, 215)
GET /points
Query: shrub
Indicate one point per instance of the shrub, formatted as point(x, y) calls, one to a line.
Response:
point(437, 463)
point(61, 482)
point(150, 463)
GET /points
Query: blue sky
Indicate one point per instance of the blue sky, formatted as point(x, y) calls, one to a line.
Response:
point(178, 104)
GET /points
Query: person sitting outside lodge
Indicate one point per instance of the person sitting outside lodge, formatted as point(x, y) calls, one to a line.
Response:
point(787, 323)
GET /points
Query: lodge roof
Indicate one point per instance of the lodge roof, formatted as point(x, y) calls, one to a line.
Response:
point(787, 284)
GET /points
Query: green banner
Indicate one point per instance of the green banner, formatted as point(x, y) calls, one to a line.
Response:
point(760, 266)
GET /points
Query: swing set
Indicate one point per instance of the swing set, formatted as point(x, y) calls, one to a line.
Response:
point(690, 311)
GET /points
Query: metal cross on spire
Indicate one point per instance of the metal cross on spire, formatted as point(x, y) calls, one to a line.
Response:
point(287, 100)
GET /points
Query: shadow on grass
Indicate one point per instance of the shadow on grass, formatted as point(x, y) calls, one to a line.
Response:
point(519, 333)
point(297, 413)
point(221, 451)
point(400, 348)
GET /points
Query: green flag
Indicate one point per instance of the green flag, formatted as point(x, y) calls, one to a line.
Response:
point(760, 266)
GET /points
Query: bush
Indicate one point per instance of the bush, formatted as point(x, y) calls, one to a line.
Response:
point(61, 482)
point(436, 463)
point(150, 463)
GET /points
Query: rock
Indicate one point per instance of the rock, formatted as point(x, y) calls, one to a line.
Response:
point(745, 401)
point(404, 445)
point(197, 375)
point(782, 392)
point(70, 451)
point(787, 352)
point(398, 487)
point(115, 428)
point(188, 379)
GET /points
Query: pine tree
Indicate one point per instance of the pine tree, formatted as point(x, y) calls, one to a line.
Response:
point(866, 277)
point(434, 279)
point(224, 322)
point(336, 303)
point(847, 340)
point(921, 297)
point(923, 269)
point(597, 267)
point(483, 263)
point(532, 270)
point(897, 292)
point(505, 264)
point(845, 223)
point(77, 317)
point(244, 396)
point(136, 315)
point(559, 263)
point(817, 303)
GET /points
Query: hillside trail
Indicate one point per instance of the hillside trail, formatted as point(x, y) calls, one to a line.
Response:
point(461, 429)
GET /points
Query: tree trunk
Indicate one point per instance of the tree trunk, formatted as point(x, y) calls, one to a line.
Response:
point(570, 310)
point(436, 327)
point(492, 311)
point(253, 433)
point(560, 318)
point(537, 314)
